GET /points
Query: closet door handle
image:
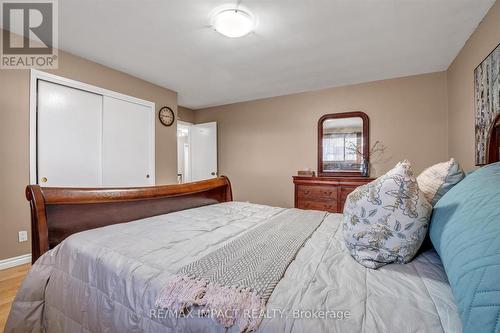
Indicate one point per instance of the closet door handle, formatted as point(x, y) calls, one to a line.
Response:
point(44, 179)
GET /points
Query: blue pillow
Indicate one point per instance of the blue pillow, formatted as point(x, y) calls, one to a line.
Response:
point(465, 231)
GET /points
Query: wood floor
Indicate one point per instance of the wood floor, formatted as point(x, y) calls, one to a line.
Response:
point(10, 280)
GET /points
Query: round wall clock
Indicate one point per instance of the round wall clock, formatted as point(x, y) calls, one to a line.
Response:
point(166, 116)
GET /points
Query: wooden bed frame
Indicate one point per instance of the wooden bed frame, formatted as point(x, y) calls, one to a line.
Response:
point(56, 213)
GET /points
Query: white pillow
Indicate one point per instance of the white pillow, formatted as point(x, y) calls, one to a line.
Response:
point(438, 179)
point(386, 220)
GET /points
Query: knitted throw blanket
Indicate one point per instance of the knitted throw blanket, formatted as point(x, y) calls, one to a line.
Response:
point(234, 282)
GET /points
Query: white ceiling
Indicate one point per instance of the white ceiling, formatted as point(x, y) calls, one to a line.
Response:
point(298, 45)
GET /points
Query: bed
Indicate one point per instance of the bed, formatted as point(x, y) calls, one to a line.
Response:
point(103, 256)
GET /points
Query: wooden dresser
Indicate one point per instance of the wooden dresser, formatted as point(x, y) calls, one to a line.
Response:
point(325, 193)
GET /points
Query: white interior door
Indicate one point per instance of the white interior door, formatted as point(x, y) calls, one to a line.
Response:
point(69, 128)
point(186, 176)
point(203, 151)
point(128, 144)
point(183, 153)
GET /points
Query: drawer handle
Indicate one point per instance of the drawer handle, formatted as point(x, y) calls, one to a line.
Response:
point(306, 192)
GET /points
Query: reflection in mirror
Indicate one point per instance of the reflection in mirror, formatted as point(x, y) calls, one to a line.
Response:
point(342, 138)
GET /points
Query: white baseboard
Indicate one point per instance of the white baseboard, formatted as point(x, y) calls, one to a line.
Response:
point(15, 261)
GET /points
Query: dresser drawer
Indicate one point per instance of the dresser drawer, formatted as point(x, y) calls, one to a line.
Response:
point(324, 193)
point(344, 192)
point(318, 205)
point(319, 193)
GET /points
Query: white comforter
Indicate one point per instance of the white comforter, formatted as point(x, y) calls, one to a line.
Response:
point(107, 280)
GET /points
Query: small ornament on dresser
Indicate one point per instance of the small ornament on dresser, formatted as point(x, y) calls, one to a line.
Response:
point(378, 148)
point(365, 168)
point(306, 173)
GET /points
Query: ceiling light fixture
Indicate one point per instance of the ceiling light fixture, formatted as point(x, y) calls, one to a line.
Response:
point(233, 23)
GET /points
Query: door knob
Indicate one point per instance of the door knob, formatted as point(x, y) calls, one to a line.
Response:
point(44, 180)
point(213, 173)
point(147, 176)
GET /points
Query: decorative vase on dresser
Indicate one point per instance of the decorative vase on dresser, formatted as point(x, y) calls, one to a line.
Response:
point(343, 162)
point(325, 193)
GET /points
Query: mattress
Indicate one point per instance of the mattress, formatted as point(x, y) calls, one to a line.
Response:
point(107, 279)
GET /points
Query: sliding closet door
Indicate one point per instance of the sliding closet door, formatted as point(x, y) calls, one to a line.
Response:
point(69, 131)
point(128, 144)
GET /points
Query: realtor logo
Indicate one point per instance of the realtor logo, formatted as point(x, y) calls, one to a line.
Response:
point(29, 37)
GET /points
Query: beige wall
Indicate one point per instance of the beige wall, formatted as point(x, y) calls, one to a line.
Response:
point(14, 136)
point(461, 87)
point(185, 114)
point(263, 143)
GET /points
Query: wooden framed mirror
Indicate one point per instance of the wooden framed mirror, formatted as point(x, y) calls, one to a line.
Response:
point(342, 144)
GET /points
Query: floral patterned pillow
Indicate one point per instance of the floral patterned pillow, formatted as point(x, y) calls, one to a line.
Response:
point(386, 220)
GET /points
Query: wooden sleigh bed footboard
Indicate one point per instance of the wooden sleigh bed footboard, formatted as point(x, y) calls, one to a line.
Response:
point(56, 213)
